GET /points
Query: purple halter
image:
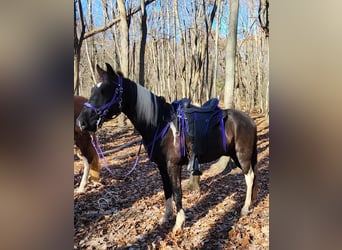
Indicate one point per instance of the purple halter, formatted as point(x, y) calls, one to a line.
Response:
point(116, 99)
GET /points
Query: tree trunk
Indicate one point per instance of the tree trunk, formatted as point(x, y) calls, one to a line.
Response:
point(90, 62)
point(230, 54)
point(183, 44)
point(123, 38)
point(143, 30)
point(76, 73)
point(263, 16)
point(124, 59)
point(212, 91)
point(77, 46)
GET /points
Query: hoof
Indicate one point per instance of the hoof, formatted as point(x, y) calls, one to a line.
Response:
point(80, 190)
point(180, 221)
point(245, 211)
point(177, 230)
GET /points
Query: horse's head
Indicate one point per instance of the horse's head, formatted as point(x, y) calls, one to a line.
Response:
point(104, 102)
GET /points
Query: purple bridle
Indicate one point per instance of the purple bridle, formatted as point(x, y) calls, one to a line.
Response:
point(116, 99)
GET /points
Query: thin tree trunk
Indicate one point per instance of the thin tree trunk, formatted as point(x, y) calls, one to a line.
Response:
point(124, 62)
point(212, 92)
point(78, 45)
point(175, 55)
point(230, 54)
point(123, 38)
point(168, 54)
point(263, 16)
point(183, 44)
point(77, 58)
point(143, 29)
point(89, 62)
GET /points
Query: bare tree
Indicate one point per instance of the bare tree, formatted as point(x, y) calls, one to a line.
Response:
point(183, 44)
point(230, 54)
point(263, 16)
point(78, 40)
point(174, 52)
point(212, 90)
point(142, 43)
point(123, 38)
point(114, 21)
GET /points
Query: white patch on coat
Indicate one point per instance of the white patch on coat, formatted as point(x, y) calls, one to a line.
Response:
point(179, 221)
point(174, 132)
point(249, 177)
point(146, 106)
point(168, 210)
point(85, 176)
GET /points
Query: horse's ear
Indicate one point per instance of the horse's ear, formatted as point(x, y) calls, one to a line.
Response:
point(119, 73)
point(110, 70)
point(100, 71)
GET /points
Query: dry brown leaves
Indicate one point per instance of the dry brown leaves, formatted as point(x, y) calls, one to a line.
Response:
point(125, 214)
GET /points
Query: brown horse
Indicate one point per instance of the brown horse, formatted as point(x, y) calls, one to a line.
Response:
point(233, 133)
point(88, 154)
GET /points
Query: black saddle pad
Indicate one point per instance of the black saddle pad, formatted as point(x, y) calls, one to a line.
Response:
point(203, 123)
point(208, 107)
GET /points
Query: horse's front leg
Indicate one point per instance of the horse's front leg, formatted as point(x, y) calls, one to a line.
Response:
point(167, 192)
point(175, 176)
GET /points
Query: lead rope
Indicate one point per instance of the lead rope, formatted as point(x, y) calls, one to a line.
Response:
point(99, 153)
point(136, 161)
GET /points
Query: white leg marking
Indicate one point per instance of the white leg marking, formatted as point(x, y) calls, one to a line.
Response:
point(179, 221)
point(168, 210)
point(85, 176)
point(174, 132)
point(249, 177)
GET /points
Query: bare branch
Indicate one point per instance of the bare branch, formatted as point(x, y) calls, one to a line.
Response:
point(114, 21)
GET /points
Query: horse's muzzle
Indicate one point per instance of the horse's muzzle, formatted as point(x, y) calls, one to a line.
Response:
point(83, 125)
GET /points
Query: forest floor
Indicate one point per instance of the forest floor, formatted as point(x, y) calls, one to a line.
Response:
point(125, 213)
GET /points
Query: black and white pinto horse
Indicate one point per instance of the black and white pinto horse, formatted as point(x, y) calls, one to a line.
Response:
point(156, 121)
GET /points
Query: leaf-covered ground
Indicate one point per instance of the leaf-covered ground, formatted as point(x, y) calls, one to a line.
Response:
point(125, 213)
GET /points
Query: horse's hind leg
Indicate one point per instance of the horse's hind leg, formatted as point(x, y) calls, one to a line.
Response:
point(248, 171)
point(85, 175)
point(249, 178)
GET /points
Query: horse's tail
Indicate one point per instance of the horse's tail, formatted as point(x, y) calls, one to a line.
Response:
point(253, 165)
point(95, 169)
